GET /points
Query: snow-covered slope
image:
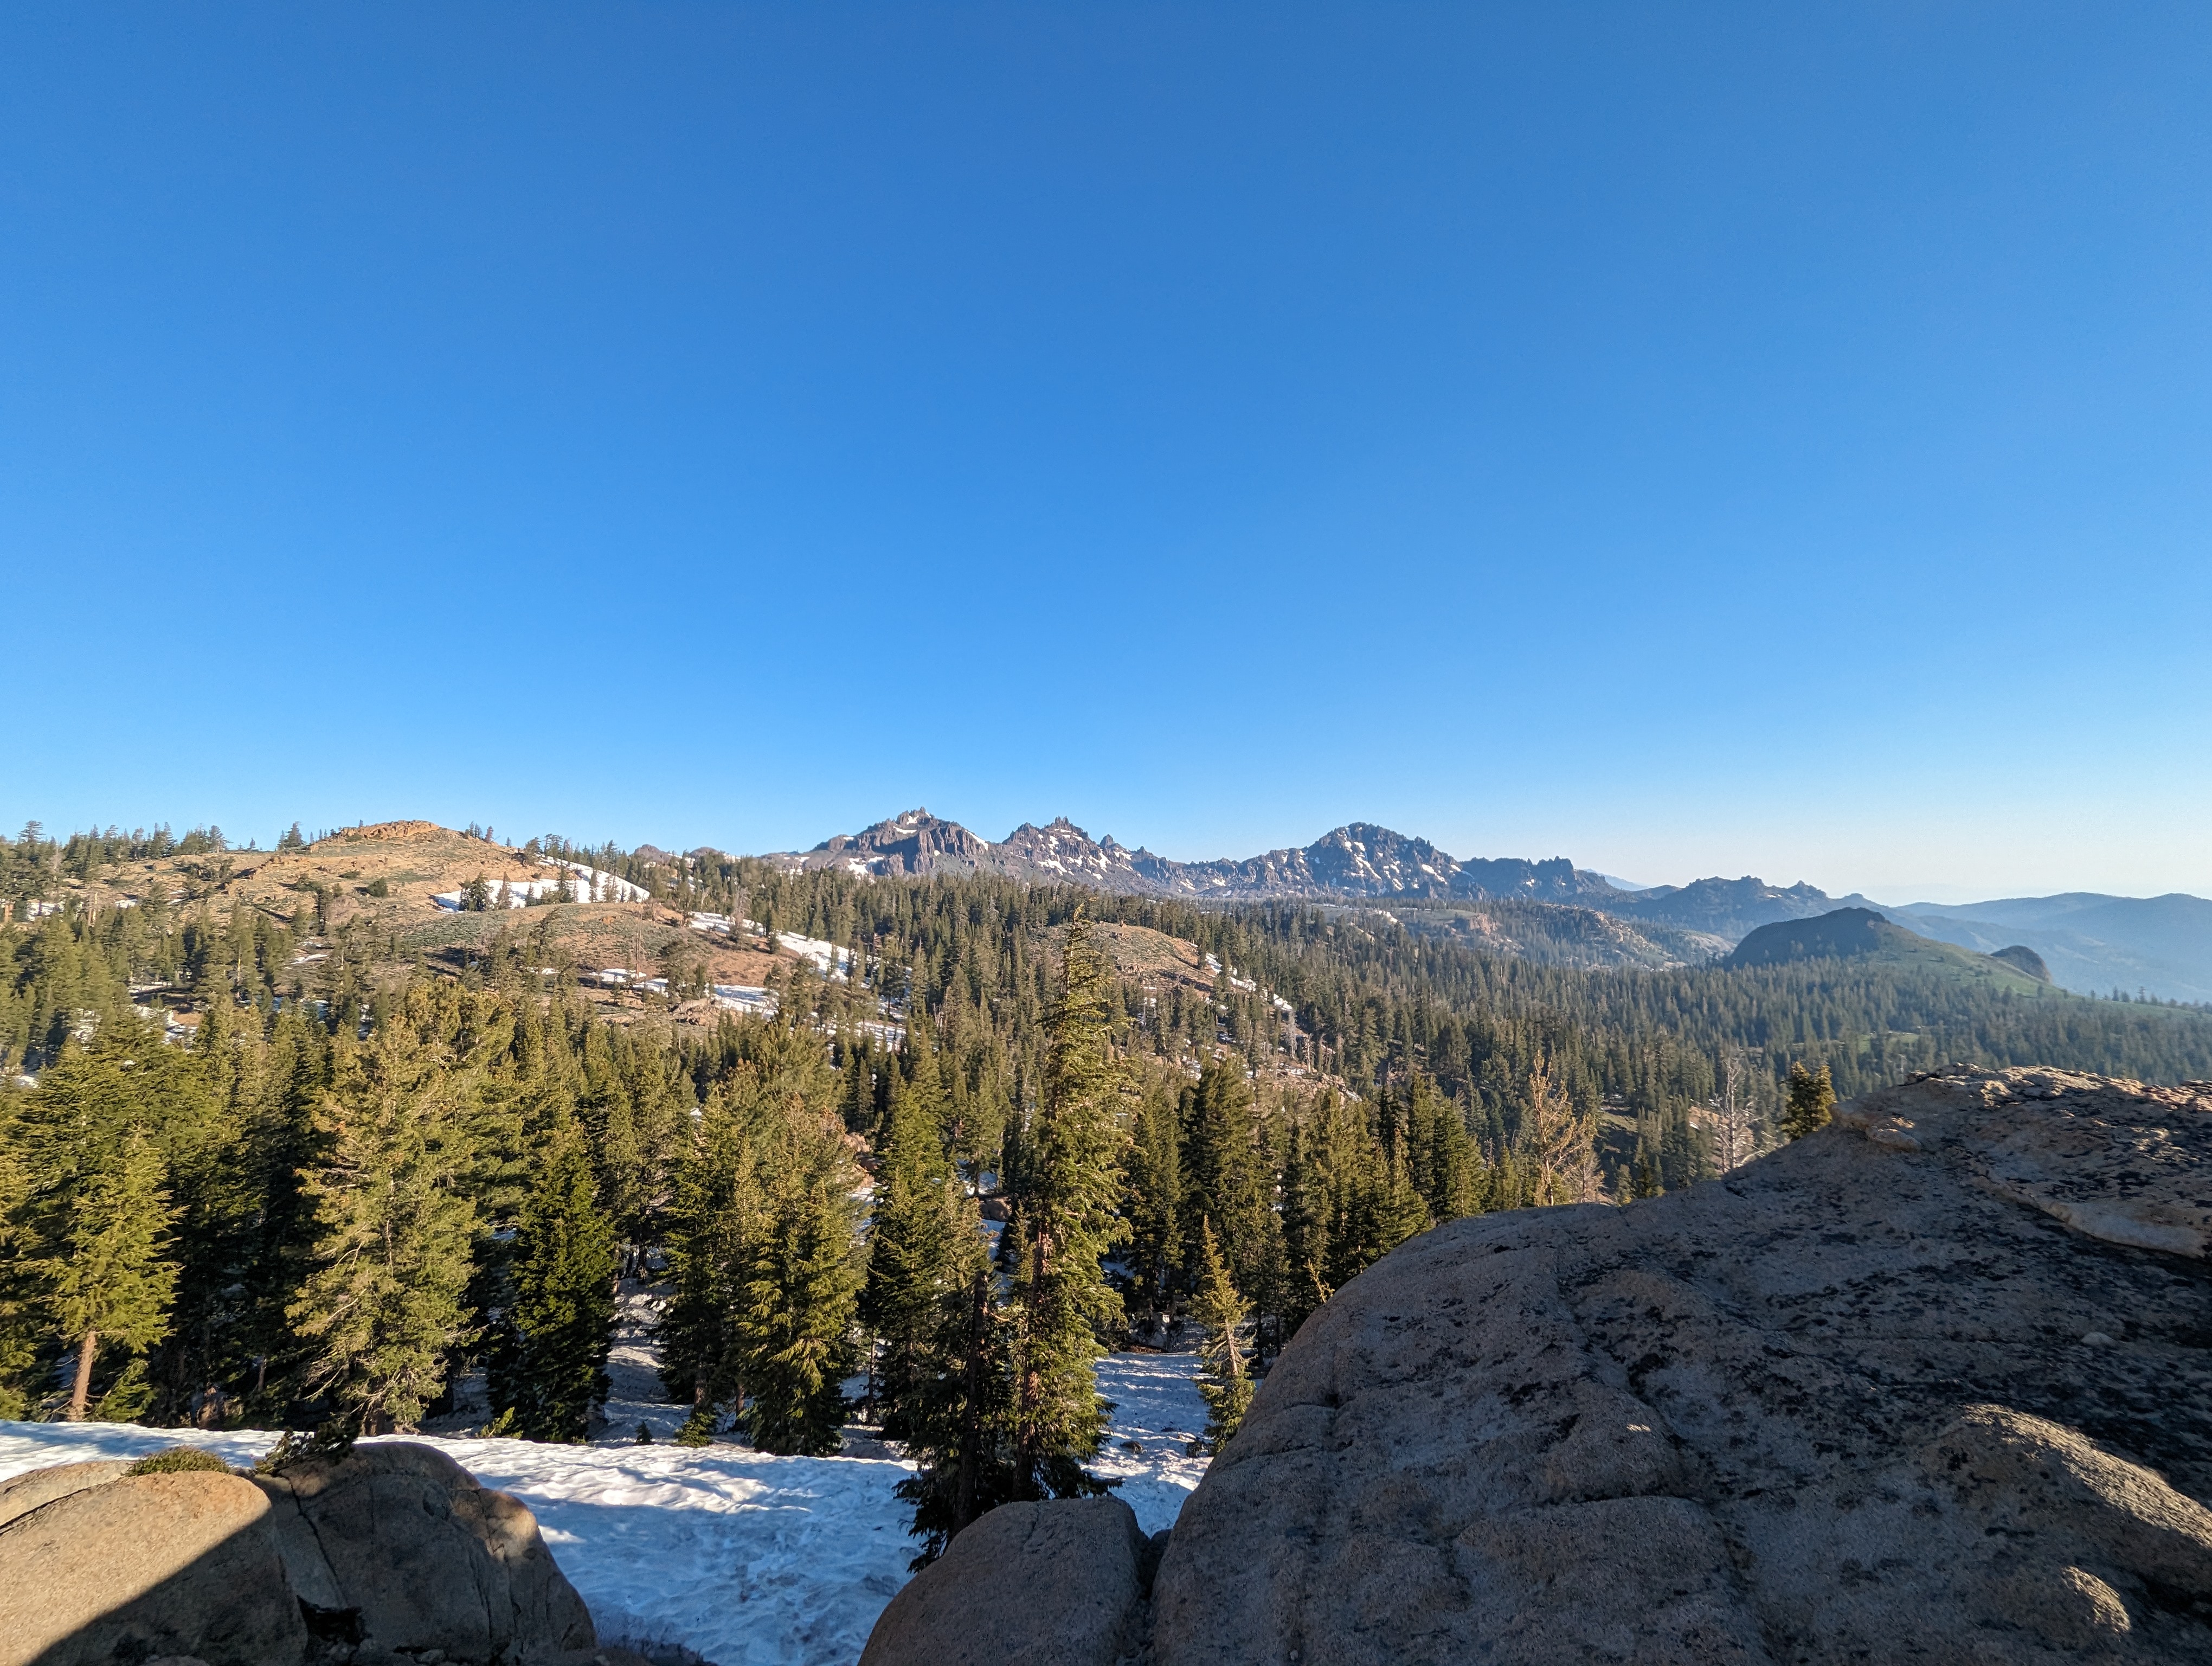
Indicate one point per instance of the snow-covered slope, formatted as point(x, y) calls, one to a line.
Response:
point(749, 1560)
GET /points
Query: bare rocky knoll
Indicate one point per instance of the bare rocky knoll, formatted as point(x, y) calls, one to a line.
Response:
point(1931, 1384)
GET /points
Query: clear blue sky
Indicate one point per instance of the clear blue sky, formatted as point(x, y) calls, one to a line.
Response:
point(1688, 439)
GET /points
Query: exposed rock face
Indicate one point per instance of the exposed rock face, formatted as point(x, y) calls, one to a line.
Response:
point(1930, 1384)
point(1062, 1583)
point(142, 1567)
point(397, 1545)
point(23, 1493)
point(2026, 959)
point(393, 1551)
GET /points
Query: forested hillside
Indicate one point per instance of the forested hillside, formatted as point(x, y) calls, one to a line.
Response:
point(260, 1159)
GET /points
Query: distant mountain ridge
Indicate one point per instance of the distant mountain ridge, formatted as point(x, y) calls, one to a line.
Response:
point(1360, 859)
point(2090, 942)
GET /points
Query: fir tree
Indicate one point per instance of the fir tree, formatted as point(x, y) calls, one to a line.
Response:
point(956, 1410)
point(719, 1215)
point(1811, 1103)
point(1227, 1183)
point(796, 1323)
point(918, 1212)
point(1440, 1159)
point(95, 1218)
point(1644, 1174)
point(111, 1281)
point(282, 1144)
point(559, 1320)
point(383, 1305)
point(20, 1329)
point(1063, 1225)
point(1222, 1312)
point(1155, 1197)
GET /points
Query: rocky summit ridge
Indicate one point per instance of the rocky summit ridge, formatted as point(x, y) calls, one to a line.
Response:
point(1359, 860)
point(1933, 1383)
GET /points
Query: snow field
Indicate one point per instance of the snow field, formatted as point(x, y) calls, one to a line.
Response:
point(749, 1560)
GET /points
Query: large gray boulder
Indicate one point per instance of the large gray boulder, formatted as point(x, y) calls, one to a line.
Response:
point(1059, 1583)
point(397, 1547)
point(1931, 1384)
point(390, 1553)
point(140, 1566)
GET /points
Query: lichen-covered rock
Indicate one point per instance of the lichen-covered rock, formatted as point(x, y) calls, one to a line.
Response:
point(133, 1568)
point(1059, 1583)
point(1930, 1384)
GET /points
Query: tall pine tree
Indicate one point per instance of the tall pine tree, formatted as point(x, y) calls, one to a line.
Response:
point(795, 1325)
point(383, 1306)
point(954, 1408)
point(719, 1214)
point(1062, 1225)
point(548, 1362)
point(917, 1210)
point(96, 1217)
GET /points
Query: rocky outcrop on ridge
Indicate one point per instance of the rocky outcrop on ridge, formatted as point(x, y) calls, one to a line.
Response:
point(1930, 1384)
point(391, 1554)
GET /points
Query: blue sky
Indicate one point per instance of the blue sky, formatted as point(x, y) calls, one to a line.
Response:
point(1688, 439)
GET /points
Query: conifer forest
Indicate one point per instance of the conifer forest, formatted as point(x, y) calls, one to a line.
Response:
point(922, 1193)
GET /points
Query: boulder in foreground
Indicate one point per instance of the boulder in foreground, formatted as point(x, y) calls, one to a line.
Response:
point(391, 1552)
point(1931, 1384)
point(1059, 1583)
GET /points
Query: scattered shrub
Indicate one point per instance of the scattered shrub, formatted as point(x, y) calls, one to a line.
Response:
point(178, 1460)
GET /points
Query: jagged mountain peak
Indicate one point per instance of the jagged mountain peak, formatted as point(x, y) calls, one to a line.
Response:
point(1356, 860)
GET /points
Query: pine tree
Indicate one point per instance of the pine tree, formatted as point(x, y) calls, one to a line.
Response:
point(1644, 1181)
point(764, 1246)
point(20, 1329)
point(1440, 1158)
point(1222, 1312)
point(917, 1213)
point(719, 1214)
point(1156, 1187)
point(1811, 1103)
point(559, 1320)
point(215, 1204)
point(1226, 1180)
point(954, 1410)
point(796, 1324)
point(1061, 1226)
point(281, 1145)
point(95, 1218)
point(383, 1305)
